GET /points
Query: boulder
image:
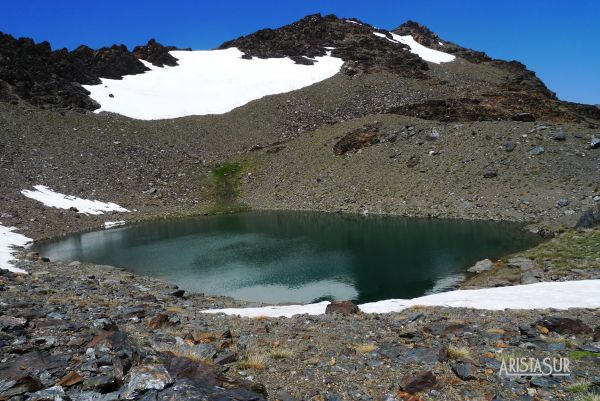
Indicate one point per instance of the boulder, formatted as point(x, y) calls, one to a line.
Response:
point(525, 117)
point(418, 382)
point(490, 173)
point(522, 263)
point(481, 266)
point(565, 325)
point(559, 135)
point(590, 218)
point(343, 307)
point(595, 142)
point(536, 150)
point(143, 378)
point(358, 139)
point(464, 370)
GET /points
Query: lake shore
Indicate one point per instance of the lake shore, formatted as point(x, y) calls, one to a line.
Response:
point(71, 315)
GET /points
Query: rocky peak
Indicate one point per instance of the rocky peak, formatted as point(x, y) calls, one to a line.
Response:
point(156, 54)
point(420, 33)
point(315, 35)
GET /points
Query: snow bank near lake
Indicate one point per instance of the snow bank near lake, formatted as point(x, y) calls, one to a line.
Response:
point(57, 200)
point(427, 54)
point(558, 295)
point(112, 224)
point(8, 240)
point(206, 82)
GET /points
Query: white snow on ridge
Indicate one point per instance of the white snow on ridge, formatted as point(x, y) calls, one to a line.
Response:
point(57, 200)
point(8, 240)
point(206, 82)
point(558, 295)
point(427, 54)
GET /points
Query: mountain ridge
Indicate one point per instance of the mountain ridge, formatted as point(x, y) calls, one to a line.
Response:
point(485, 88)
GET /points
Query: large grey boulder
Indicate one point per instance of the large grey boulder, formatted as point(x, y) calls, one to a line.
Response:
point(481, 266)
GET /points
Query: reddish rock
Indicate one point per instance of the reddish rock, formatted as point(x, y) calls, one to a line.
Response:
point(419, 382)
point(159, 321)
point(343, 307)
point(70, 379)
point(565, 325)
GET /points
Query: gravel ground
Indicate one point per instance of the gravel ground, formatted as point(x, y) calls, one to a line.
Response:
point(101, 333)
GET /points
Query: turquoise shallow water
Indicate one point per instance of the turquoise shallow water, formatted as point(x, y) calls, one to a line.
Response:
point(282, 256)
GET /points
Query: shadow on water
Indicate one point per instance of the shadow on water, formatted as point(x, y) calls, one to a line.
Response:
point(282, 256)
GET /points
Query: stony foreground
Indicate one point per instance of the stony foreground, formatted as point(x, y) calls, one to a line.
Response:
point(86, 332)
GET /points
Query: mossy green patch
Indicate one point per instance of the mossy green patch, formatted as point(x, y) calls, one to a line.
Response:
point(571, 249)
point(577, 355)
point(226, 188)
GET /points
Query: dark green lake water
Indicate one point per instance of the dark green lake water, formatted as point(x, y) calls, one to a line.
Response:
point(280, 256)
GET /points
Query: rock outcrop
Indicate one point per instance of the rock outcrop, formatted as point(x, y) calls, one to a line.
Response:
point(34, 73)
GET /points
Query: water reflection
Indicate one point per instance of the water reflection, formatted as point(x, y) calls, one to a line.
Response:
point(281, 256)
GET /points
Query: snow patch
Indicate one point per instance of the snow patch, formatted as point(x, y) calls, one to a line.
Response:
point(111, 224)
point(427, 54)
point(275, 311)
point(558, 295)
point(57, 200)
point(8, 240)
point(206, 82)
point(353, 22)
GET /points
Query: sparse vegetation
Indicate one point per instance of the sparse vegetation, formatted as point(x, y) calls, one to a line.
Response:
point(183, 352)
point(588, 397)
point(579, 387)
point(252, 361)
point(571, 250)
point(577, 355)
point(459, 353)
point(365, 348)
point(560, 340)
point(226, 181)
point(280, 353)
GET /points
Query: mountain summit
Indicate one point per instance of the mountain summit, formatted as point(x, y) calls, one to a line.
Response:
point(447, 81)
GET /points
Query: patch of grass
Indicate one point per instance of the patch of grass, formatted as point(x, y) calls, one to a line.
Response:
point(559, 340)
point(226, 181)
point(252, 361)
point(579, 387)
point(226, 170)
point(280, 353)
point(459, 353)
point(588, 397)
point(570, 250)
point(365, 348)
point(577, 355)
point(183, 352)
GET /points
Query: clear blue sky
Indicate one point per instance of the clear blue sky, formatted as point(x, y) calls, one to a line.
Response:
point(558, 39)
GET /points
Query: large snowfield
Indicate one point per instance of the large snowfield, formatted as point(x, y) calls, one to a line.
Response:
point(206, 82)
point(218, 81)
point(57, 200)
point(558, 295)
